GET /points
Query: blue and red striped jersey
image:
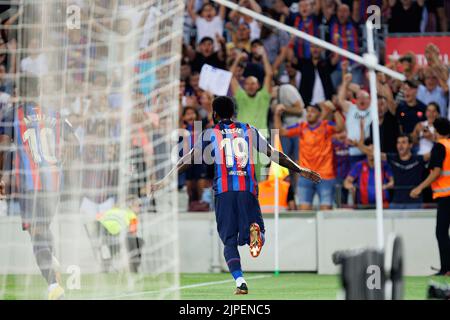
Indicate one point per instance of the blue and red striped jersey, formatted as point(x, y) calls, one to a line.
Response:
point(310, 25)
point(364, 177)
point(229, 146)
point(35, 158)
point(344, 36)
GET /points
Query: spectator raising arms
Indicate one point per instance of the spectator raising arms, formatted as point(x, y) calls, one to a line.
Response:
point(253, 102)
point(305, 20)
point(316, 86)
point(207, 55)
point(432, 91)
point(355, 113)
point(209, 23)
point(316, 149)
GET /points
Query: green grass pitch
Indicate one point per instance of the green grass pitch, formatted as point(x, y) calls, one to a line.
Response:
point(201, 286)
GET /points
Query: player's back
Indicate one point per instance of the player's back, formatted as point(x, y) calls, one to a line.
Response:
point(232, 147)
point(35, 133)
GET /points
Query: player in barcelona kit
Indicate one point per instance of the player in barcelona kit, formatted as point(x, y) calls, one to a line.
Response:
point(30, 163)
point(229, 147)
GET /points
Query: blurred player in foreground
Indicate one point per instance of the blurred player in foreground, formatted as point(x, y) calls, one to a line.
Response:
point(229, 147)
point(30, 160)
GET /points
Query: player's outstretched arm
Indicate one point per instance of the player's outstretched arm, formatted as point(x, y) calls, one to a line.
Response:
point(182, 165)
point(285, 161)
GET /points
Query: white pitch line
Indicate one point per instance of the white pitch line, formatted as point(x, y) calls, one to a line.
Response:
point(197, 285)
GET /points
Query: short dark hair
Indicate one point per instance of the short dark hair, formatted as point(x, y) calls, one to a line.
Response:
point(435, 105)
point(442, 126)
point(256, 41)
point(186, 108)
point(204, 39)
point(224, 107)
point(404, 135)
point(315, 106)
point(412, 83)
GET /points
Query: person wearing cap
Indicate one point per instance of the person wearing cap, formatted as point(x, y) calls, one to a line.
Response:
point(407, 64)
point(315, 150)
point(439, 179)
point(411, 111)
point(206, 54)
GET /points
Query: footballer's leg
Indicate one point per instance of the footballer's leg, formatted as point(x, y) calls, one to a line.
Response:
point(227, 226)
point(43, 209)
point(231, 254)
point(251, 223)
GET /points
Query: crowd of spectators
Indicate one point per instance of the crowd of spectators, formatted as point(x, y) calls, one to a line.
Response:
point(319, 100)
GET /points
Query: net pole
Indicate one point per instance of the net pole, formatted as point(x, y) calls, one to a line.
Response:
point(317, 41)
point(372, 58)
point(276, 225)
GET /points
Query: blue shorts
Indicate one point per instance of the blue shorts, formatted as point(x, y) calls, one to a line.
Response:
point(325, 189)
point(235, 212)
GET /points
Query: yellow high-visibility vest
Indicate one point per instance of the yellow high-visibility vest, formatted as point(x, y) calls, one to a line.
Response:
point(116, 220)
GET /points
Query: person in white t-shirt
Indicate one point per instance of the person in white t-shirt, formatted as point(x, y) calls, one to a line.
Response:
point(208, 22)
point(355, 115)
point(424, 133)
point(35, 64)
point(255, 26)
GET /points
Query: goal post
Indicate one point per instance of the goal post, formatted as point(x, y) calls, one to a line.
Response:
point(107, 75)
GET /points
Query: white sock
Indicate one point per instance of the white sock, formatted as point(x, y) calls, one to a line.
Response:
point(240, 281)
point(52, 286)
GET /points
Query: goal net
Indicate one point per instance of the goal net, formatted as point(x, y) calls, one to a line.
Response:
point(85, 127)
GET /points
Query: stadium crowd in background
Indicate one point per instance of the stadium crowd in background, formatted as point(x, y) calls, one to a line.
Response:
point(270, 68)
point(261, 57)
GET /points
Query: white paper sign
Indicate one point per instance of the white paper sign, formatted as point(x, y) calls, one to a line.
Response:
point(214, 80)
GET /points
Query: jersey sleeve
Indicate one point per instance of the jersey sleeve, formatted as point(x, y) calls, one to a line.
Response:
point(260, 143)
point(293, 130)
point(387, 170)
point(355, 170)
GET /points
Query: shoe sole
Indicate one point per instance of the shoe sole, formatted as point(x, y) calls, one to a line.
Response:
point(239, 291)
point(255, 240)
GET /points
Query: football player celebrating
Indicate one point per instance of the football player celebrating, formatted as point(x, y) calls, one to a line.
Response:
point(229, 147)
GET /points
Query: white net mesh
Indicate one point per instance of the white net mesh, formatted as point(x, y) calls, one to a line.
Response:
point(87, 125)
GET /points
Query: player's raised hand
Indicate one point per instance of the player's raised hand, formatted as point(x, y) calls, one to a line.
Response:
point(310, 175)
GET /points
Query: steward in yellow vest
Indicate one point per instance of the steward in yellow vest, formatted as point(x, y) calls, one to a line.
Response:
point(121, 223)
